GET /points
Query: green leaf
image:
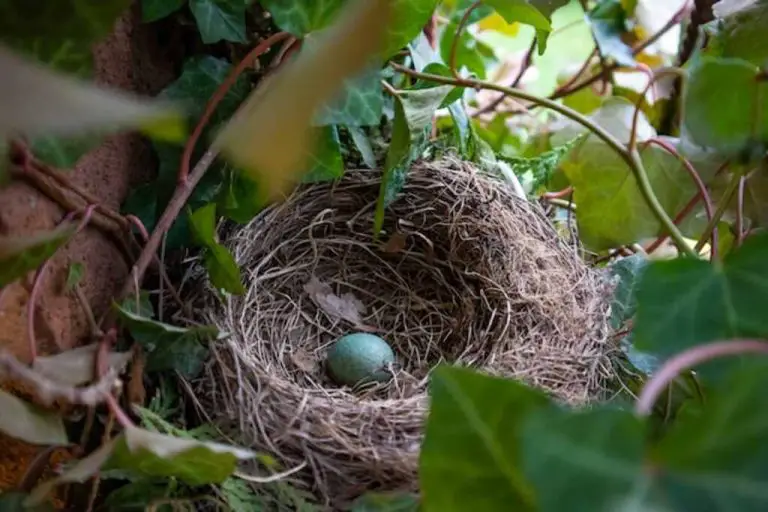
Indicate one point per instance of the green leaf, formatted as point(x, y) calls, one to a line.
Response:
point(414, 110)
point(327, 164)
point(300, 17)
point(736, 125)
point(716, 459)
point(684, 302)
point(136, 496)
point(24, 421)
point(585, 461)
point(75, 273)
point(609, 22)
point(223, 270)
point(77, 366)
point(436, 68)
point(386, 502)
point(239, 198)
point(169, 347)
point(363, 145)
point(627, 271)
point(159, 455)
point(470, 454)
point(220, 20)
point(742, 34)
point(63, 152)
point(470, 52)
point(19, 255)
point(536, 13)
point(360, 103)
point(203, 224)
point(13, 501)
point(40, 102)
point(543, 166)
point(153, 10)
point(58, 33)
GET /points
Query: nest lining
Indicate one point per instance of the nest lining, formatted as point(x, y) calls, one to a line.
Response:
point(465, 272)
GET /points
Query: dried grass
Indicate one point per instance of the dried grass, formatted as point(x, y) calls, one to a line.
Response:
point(473, 275)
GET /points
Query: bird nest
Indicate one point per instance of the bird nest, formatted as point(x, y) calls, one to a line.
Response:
point(464, 272)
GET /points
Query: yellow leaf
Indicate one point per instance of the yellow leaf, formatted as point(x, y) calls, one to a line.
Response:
point(498, 24)
point(171, 128)
point(271, 136)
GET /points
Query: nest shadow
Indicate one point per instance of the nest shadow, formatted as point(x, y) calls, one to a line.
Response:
point(465, 272)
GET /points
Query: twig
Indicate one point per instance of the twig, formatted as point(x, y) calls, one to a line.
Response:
point(652, 79)
point(83, 300)
point(457, 36)
point(35, 469)
point(527, 60)
point(48, 391)
point(687, 360)
point(270, 478)
point(703, 192)
point(632, 158)
point(32, 302)
point(728, 193)
point(740, 211)
point(219, 95)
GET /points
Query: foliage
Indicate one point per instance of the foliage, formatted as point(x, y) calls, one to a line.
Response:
point(623, 156)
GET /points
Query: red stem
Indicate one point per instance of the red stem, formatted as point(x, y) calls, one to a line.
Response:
point(559, 194)
point(652, 78)
point(139, 225)
point(703, 192)
point(219, 95)
point(740, 211)
point(687, 360)
point(120, 415)
point(455, 42)
point(37, 282)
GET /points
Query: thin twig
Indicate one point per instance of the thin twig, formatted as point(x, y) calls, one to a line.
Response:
point(270, 478)
point(83, 300)
point(632, 158)
point(527, 60)
point(219, 95)
point(37, 283)
point(686, 360)
point(728, 194)
point(559, 194)
point(740, 211)
point(455, 43)
point(652, 79)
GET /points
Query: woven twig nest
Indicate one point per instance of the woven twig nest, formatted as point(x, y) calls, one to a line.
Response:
point(466, 272)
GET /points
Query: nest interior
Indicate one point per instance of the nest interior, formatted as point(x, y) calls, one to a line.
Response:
point(465, 272)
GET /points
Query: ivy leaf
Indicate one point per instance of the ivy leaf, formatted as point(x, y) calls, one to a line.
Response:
point(436, 68)
point(536, 13)
point(327, 163)
point(63, 152)
point(470, 454)
point(239, 198)
point(627, 272)
point(386, 502)
point(24, 421)
point(75, 273)
point(272, 135)
point(608, 20)
point(220, 20)
point(159, 455)
point(76, 366)
point(543, 166)
point(414, 109)
point(715, 460)
point(59, 34)
point(300, 17)
point(153, 10)
point(39, 101)
point(741, 33)
point(169, 347)
point(363, 145)
point(19, 255)
point(79, 472)
point(685, 302)
point(360, 103)
point(585, 461)
point(736, 125)
point(137, 495)
point(470, 51)
point(221, 265)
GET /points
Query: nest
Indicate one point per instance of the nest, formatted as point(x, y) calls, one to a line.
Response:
point(465, 272)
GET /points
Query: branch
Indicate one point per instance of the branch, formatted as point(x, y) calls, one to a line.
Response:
point(527, 60)
point(686, 360)
point(632, 158)
point(455, 42)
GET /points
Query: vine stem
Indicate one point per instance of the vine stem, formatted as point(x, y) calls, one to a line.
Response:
point(740, 211)
point(687, 360)
point(631, 157)
point(219, 95)
point(32, 302)
point(703, 192)
point(527, 61)
point(188, 180)
point(730, 190)
point(455, 42)
point(653, 77)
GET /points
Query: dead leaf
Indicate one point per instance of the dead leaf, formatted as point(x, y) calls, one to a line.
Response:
point(396, 243)
point(347, 307)
point(22, 420)
point(77, 366)
point(136, 393)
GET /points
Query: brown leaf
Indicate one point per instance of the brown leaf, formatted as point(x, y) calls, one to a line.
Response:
point(347, 307)
point(396, 243)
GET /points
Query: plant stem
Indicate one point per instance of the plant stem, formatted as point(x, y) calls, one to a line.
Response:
point(687, 360)
point(457, 35)
point(730, 190)
point(632, 158)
